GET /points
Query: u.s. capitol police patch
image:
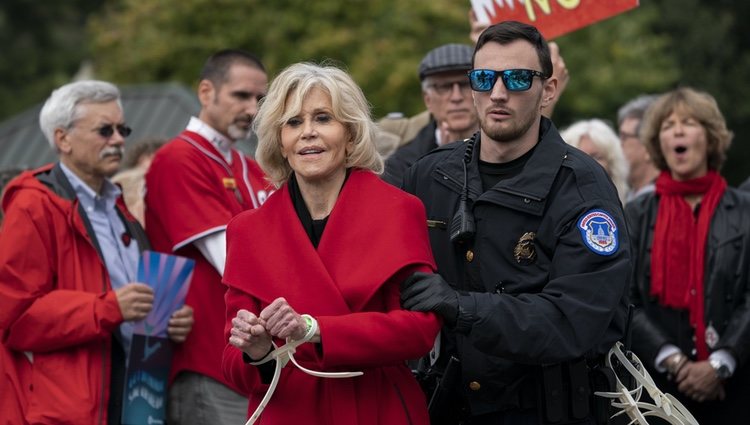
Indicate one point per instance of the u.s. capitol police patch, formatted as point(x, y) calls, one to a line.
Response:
point(599, 232)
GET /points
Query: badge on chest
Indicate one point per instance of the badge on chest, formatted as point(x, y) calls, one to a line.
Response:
point(524, 252)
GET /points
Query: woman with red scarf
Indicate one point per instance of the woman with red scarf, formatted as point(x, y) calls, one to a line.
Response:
point(318, 267)
point(691, 244)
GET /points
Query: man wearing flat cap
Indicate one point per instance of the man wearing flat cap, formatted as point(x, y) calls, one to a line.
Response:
point(447, 96)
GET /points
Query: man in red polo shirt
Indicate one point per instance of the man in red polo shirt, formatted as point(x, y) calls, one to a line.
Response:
point(195, 185)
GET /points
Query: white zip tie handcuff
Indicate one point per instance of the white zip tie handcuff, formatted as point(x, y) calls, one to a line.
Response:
point(283, 355)
point(665, 405)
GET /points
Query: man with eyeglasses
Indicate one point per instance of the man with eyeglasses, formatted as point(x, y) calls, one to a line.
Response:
point(68, 257)
point(447, 96)
point(642, 172)
point(196, 183)
point(531, 247)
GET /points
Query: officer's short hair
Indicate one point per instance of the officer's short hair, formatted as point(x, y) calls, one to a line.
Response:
point(509, 31)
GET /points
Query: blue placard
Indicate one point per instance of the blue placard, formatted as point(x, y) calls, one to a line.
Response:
point(169, 276)
point(145, 396)
point(150, 357)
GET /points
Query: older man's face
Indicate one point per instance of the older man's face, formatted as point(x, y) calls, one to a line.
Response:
point(84, 149)
point(448, 98)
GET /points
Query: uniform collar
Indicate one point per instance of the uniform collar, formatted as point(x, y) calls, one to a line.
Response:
point(533, 183)
point(538, 175)
point(218, 140)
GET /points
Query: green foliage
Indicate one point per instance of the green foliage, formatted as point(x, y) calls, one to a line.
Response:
point(43, 45)
point(712, 50)
point(380, 43)
point(612, 62)
point(661, 44)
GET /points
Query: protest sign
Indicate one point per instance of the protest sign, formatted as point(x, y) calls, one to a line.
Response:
point(150, 350)
point(553, 18)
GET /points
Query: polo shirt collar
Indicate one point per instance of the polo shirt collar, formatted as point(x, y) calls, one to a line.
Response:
point(222, 143)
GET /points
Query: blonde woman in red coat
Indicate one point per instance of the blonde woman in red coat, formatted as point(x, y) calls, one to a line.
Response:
point(333, 243)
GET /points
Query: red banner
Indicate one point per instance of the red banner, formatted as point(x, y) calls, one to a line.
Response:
point(553, 18)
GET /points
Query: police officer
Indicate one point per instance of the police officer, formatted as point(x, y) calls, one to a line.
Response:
point(530, 242)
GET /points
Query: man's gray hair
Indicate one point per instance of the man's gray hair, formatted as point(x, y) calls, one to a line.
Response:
point(635, 108)
point(61, 108)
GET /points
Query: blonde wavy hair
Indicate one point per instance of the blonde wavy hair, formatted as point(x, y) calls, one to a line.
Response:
point(284, 101)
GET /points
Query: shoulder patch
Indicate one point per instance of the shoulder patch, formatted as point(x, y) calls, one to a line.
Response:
point(599, 232)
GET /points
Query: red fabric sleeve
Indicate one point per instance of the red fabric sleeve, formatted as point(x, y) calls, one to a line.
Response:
point(67, 318)
point(35, 313)
point(245, 376)
point(371, 339)
point(185, 196)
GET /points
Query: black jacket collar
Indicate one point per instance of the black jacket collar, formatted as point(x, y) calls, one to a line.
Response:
point(57, 182)
point(533, 183)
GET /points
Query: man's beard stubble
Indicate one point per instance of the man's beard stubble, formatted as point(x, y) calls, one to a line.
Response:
point(517, 129)
point(241, 127)
point(515, 132)
point(238, 133)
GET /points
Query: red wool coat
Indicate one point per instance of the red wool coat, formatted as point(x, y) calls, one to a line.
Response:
point(374, 238)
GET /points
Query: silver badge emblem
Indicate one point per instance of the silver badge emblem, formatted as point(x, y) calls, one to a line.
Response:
point(712, 337)
point(524, 252)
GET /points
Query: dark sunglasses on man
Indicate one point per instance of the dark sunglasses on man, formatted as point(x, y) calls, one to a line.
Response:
point(108, 131)
point(484, 80)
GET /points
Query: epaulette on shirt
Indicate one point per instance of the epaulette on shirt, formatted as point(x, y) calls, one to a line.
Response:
point(590, 176)
point(448, 147)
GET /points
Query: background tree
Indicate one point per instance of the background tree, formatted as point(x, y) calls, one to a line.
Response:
point(379, 42)
point(711, 46)
point(43, 45)
point(656, 47)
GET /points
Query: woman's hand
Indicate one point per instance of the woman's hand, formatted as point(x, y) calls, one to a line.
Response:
point(282, 321)
point(249, 335)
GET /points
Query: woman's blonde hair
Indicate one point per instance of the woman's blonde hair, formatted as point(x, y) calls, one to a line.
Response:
point(284, 101)
point(693, 103)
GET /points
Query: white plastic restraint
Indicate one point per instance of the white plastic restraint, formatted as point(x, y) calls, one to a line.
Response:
point(283, 355)
point(628, 401)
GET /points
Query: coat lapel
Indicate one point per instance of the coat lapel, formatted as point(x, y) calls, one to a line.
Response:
point(373, 232)
point(371, 235)
point(288, 267)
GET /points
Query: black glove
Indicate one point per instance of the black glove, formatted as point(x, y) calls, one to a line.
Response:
point(430, 292)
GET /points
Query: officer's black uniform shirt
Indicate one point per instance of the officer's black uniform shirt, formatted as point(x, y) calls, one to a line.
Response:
point(492, 173)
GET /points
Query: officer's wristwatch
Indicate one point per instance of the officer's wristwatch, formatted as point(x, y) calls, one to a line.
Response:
point(722, 370)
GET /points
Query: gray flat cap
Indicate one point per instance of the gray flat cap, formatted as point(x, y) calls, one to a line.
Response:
point(448, 57)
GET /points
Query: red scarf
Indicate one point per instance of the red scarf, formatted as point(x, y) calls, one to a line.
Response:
point(678, 251)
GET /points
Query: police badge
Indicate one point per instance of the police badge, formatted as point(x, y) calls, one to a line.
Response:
point(599, 232)
point(524, 251)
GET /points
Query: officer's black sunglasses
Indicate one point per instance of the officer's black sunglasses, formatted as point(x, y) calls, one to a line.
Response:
point(514, 79)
